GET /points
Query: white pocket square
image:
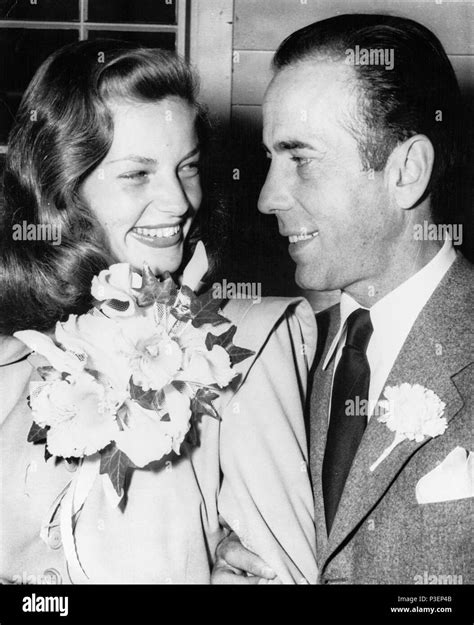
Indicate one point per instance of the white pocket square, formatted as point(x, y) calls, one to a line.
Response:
point(452, 479)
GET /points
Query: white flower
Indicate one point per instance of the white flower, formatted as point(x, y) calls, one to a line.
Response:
point(208, 367)
point(413, 412)
point(155, 359)
point(104, 343)
point(144, 438)
point(203, 365)
point(116, 283)
point(179, 410)
point(81, 414)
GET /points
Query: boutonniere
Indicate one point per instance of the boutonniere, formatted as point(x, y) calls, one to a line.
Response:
point(413, 412)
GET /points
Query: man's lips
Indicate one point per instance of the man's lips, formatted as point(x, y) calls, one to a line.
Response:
point(162, 235)
point(302, 235)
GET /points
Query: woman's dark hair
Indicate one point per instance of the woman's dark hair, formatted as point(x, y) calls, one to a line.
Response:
point(63, 130)
point(419, 94)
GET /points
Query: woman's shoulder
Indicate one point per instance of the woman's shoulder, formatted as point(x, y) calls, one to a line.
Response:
point(15, 373)
point(258, 319)
point(266, 308)
point(11, 350)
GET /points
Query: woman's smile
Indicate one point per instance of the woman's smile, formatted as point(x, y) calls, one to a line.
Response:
point(158, 236)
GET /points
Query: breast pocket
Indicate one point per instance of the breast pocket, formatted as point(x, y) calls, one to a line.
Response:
point(447, 513)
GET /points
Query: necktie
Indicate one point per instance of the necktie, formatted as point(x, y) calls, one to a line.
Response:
point(351, 384)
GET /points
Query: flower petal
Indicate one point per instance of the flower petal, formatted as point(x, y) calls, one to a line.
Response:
point(196, 268)
point(44, 345)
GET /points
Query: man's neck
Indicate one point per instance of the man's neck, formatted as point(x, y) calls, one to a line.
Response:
point(402, 267)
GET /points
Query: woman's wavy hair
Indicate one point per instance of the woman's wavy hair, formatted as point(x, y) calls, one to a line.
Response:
point(63, 130)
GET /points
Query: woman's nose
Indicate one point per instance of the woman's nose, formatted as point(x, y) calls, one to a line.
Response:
point(169, 196)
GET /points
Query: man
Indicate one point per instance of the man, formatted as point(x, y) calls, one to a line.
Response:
point(360, 124)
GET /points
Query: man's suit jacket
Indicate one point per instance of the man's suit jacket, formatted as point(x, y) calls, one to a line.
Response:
point(381, 534)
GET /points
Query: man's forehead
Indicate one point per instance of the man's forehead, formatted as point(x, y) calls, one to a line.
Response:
point(310, 82)
point(307, 101)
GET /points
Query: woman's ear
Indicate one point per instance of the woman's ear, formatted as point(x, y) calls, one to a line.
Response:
point(409, 170)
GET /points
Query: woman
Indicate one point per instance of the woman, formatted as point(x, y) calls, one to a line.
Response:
point(106, 149)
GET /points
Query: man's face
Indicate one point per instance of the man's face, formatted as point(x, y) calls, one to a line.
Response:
point(338, 218)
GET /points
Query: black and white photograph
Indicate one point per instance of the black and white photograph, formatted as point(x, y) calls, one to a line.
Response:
point(236, 312)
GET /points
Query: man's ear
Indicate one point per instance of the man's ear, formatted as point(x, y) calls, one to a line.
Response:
point(409, 169)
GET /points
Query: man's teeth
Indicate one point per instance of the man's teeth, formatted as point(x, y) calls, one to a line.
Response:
point(158, 232)
point(294, 238)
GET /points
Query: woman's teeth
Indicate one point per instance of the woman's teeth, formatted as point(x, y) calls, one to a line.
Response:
point(158, 233)
point(294, 238)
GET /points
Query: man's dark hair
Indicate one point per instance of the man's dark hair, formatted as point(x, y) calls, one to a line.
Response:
point(419, 95)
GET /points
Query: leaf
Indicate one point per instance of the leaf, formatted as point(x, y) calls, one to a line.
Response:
point(179, 385)
point(192, 435)
point(205, 309)
point(150, 400)
point(201, 403)
point(37, 434)
point(236, 353)
point(152, 290)
point(47, 454)
point(181, 314)
point(115, 464)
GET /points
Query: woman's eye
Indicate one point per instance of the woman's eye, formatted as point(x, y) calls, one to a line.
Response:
point(190, 169)
point(135, 175)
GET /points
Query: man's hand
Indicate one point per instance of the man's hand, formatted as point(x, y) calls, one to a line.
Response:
point(237, 565)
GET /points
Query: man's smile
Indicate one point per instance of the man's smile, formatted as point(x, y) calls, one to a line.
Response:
point(303, 236)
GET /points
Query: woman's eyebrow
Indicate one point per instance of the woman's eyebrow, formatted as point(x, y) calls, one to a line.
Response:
point(144, 160)
point(193, 152)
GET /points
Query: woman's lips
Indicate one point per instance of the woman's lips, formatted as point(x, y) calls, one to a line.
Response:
point(158, 236)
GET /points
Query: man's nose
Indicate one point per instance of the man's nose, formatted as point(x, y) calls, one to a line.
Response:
point(168, 195)
point(274, 196)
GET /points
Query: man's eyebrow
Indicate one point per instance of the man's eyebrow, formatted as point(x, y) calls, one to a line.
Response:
point(291, 144)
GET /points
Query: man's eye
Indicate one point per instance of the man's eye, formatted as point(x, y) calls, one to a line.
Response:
point(301, 161)
point(135, 175)
point(190, 169)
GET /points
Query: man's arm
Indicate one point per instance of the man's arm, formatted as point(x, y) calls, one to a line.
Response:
point(237, 565)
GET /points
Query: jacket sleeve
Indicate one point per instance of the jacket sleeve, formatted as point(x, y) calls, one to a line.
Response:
point(265, 495)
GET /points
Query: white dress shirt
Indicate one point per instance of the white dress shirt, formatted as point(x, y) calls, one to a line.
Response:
point(392, 319)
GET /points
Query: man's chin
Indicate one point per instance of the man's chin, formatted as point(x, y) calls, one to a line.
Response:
point(309, 280)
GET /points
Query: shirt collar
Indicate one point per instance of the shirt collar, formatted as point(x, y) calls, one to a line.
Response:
point(400, 307)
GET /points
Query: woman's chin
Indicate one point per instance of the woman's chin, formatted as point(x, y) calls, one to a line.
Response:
point(159, 263)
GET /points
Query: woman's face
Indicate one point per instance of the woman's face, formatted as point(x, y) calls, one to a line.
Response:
point(146, 191)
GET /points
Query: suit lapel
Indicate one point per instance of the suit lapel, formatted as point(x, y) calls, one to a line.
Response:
point(429, 358)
